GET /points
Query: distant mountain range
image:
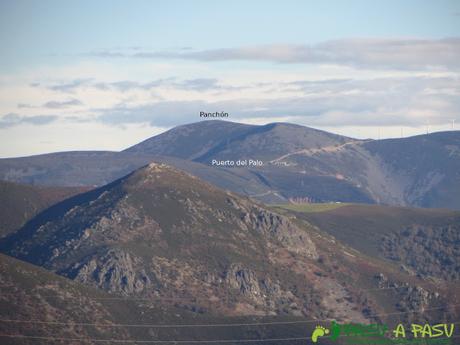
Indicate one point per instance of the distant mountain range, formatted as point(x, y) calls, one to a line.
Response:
point(298, 162)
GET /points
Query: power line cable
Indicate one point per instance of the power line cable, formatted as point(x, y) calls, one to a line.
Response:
point(421, 311)
point(92, 340)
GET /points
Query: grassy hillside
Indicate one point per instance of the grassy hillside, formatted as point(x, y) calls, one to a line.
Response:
point(420, 241)
point(310, 207)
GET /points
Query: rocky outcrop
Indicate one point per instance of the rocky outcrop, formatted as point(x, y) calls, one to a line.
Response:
point(274, 226)
point(248, 283)
point(115, 271)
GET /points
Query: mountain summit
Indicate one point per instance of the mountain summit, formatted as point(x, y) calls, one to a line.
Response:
point(205, 140)
point(160, 232)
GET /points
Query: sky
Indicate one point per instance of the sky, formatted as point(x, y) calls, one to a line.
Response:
point(104, 75)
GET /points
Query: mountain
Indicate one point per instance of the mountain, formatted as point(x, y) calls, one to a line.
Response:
point(167, 237)
point(203, 141)
point(160, 231)
point(425, 168)
point(21, 202)
point(292, 162)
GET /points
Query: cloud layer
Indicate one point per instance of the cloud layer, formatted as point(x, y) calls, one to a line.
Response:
point(12, 119)
point(370, 53)
point(382, 102)
point(392, 101)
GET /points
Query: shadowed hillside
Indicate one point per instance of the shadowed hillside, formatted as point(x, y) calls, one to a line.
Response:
point(20, 202)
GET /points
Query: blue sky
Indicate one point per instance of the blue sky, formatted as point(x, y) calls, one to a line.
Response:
point(116, 72)
point(33, 31)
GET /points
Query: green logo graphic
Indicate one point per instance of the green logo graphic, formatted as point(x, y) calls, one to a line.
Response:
point(377, 334)
point(318, 332)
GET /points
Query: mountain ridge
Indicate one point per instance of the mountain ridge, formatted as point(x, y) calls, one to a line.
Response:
point(298, 162)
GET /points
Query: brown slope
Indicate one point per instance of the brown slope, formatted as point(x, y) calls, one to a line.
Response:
point(49, 308)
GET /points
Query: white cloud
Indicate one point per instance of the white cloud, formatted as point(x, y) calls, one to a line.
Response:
point(367, 53)
point(333, 102)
